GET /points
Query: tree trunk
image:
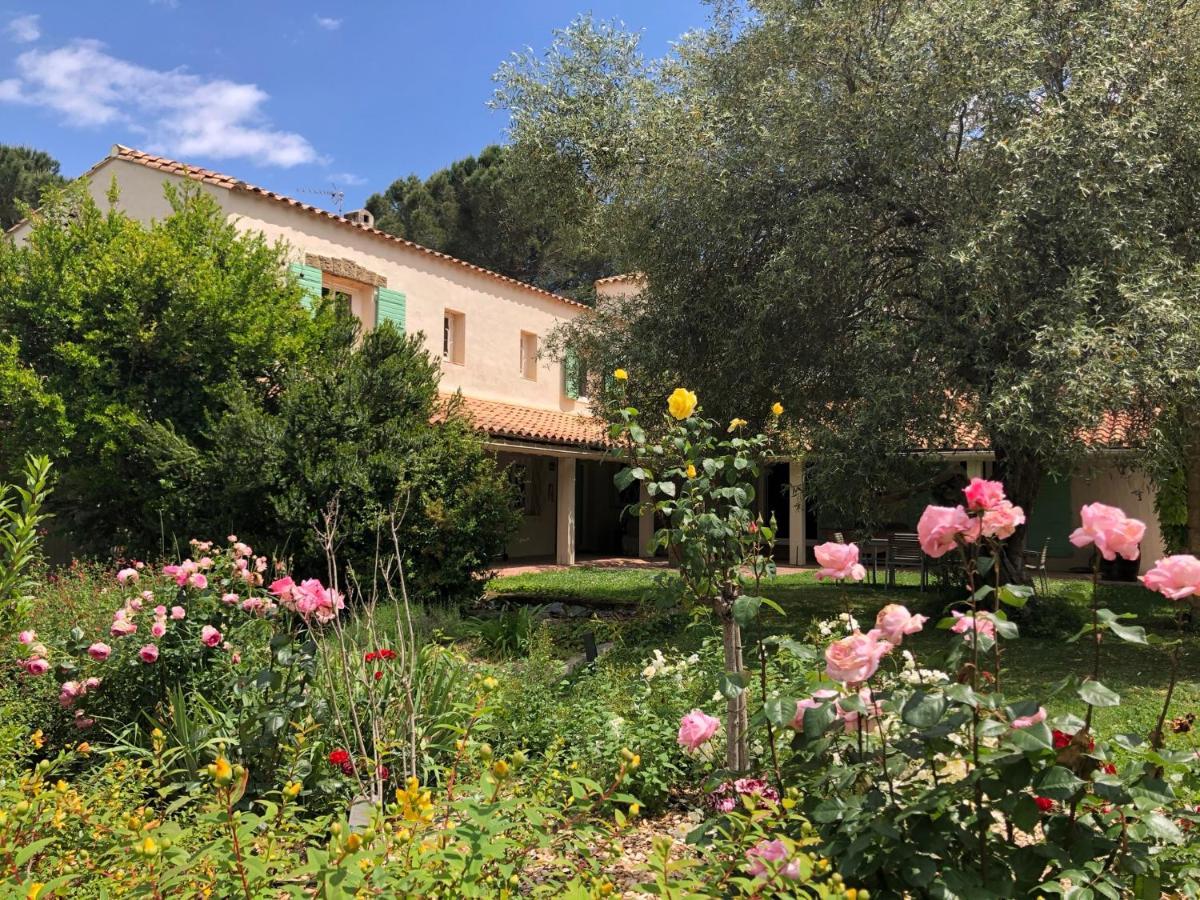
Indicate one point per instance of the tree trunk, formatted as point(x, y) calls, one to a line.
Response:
point(1022, 475)
point(736, 719)
point(1192, 480)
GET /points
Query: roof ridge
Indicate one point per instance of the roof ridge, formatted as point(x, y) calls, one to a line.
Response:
point(218, 179)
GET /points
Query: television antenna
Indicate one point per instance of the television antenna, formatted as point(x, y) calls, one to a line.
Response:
point(335, 194)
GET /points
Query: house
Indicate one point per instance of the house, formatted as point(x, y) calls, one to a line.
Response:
point(487, 329)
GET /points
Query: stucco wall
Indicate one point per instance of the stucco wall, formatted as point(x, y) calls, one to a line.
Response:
point(496, 313)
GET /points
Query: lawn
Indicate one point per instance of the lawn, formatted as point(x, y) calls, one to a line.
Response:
point(1031, 664)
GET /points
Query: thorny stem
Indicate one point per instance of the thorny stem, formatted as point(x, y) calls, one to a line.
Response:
point(762, 657)
point(1087, 722)
point(1157, 737)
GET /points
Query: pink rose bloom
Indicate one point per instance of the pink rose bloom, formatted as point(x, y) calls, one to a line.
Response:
point(160, 611)
point(68, 693)
point(1175, 577)
point(839, 561)
point(983, 495)
point(982, 623)
point(209, 636)
point(253, 604)
point(177, 573)
point(851, 717)
point(856, 658)
point(1030, 721)
point(148, 653)
point(36, 666)
point(1113, 533)
point(99, 651)
point(198, 581)
point(235, 657)
point(148, 596)
point(894, 621)
point(242, 549)
point(818, 699)
point(121, 627)
point(178, 612)
point(1002, 520)
point(82, 722)
point(90, 684)
point(776, 853)
point(696, 729)
point(159, 628)
point(282, 587)
point(229, 599)
point(941, 527)
point(127, 575)
point(28, 636)
point(205, 562)
point(134, 604)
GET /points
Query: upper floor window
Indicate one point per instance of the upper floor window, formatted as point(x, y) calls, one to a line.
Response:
point(454, 337)
point(529, 351)
point(340, 297)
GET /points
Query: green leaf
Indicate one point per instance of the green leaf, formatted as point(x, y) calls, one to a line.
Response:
point(731, 684)
point(1034, 739)
point(780, 710)
point(1016, 595)
point(1058, 783)
point(1093, 693)
point(923, 710)
point(745, 609)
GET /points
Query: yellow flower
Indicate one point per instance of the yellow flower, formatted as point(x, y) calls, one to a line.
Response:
point(84, 748)
point(149, 847)
point(621, 375)
point(353, 842)
point(291, 789)
point(38, 740)
point(681, 403)
point(777, 409)
point(691, 471)
point(35, 890)
point(735, 424)
point(222, 772)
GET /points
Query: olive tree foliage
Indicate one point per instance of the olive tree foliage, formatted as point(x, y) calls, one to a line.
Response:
point(920, 225)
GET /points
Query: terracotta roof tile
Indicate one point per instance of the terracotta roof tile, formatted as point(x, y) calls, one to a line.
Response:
point(549, 426)
point(216, 179)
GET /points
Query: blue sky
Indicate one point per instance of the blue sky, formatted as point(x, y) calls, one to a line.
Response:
point(288, 94)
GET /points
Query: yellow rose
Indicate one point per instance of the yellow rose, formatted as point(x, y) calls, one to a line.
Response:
point(735, 424)
point(681, 403)
point(691, 471)
point(777, 409)
point(621, 375)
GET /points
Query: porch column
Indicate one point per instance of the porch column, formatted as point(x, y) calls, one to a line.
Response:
point(796, 536)
point(565, 531)
point(645, 526)
point(974, 468)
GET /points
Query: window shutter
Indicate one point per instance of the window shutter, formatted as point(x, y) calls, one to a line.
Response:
point(310, 282)
point(570, 366)
point(389, 307)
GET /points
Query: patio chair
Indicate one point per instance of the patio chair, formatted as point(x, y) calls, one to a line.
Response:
point(1035, 567)
point(904, 552)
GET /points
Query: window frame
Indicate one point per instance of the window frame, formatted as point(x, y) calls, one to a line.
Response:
point(529, 355)
point(454, 336)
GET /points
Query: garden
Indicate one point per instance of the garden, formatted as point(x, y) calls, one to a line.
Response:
point(219, 722)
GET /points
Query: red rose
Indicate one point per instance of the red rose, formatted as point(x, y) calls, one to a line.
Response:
point(387, 654)
point(1061, 739)
point(1109, 769)
point(1045, 804)
point(383, 772)
point(378, 674)
point(339, 757)
point(348, 768)
point(370, 656)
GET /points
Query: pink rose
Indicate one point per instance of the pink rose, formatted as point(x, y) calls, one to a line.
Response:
point(894, 622)
point(851, 717)
point(148, 596)
point(941, 527)
point(229, 599)
point(128, 575)
point(90, 684)
point(205, 562)
point(1113, 533)
point(696, 729)
point(68, 693)
point(856, 658)
point(176, 572)
point(242, 549)
point(83, 722)
point(839, 561)
point(160, 611)
point(1002, 520)
point(983, 495)
point(1175, 577)
point(148, 654)
point(1030, 721)
point(776, 853)
point(982, 622)
point(122, 627)
point(209, 636)
point(133, 604)
point(282, 587)
point(28, 636)
point(198, 581)
point(99, 651)
point(36, 666)
point(159, 628)
point(178, 612)
point(818, 699)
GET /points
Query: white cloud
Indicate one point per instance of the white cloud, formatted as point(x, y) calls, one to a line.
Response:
point(328, 22)
point(348, 179)
point(24, 29)
point(176, 113)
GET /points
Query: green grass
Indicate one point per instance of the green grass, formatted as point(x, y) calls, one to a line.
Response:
point(1030, 665)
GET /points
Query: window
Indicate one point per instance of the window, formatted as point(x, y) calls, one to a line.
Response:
point(454, 338)
point(529, 351)
point(342, 298)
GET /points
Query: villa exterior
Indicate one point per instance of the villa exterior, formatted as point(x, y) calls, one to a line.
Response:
point(487, 330)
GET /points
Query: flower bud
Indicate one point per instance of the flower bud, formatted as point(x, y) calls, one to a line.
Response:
point(485, 751)
point(335, 829)
point(500, 769)
point(518, 759)
point(354, 842)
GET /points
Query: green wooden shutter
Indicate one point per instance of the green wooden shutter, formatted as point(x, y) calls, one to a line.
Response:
point(1052, 517)
point(570, 366)
point(389, 307)
point(310, 281)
